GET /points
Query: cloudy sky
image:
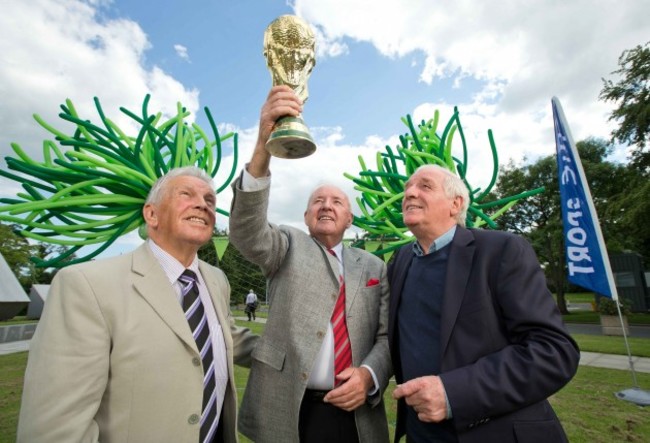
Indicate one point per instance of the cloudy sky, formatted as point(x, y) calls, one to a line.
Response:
point(377, 61)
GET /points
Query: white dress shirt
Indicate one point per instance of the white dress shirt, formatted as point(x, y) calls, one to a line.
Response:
point(174, 269)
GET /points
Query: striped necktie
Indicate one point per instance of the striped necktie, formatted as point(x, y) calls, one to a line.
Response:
point(342, 348)
point(195, 315)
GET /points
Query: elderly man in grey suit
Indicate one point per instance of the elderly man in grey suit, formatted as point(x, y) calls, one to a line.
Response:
point(301, 387)
point(140, 347)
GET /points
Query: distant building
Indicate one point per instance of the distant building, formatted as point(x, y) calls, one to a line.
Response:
point(12, 296)
point(37, 296)
point(631, 280)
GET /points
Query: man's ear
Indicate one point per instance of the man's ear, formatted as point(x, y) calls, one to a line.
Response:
point(456, 204)
point(150, 215)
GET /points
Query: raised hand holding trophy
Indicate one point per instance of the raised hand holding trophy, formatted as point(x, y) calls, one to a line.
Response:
point(289, 51)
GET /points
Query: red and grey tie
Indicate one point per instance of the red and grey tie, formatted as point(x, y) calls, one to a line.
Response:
point(342, 348)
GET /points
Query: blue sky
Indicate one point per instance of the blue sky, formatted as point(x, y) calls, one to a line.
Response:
point(377, 61)
point(363, 91)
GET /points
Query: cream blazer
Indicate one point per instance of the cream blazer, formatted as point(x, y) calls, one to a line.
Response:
point(113, 358)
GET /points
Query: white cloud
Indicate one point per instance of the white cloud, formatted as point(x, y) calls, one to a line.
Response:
point(327, 46)
point(58, 49)
point(181, 51)
point(524, 52)
point(293, 180)
point(53, 50)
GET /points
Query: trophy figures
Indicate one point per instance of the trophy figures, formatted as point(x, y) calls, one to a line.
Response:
point(289, 51)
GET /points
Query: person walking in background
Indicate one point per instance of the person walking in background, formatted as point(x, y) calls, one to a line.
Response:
point(251, 304)
point(477, 341)
point(140, 347)
point(322, 364)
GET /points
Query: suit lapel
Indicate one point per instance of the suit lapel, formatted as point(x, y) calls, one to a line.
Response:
point(334, 264)
point(458, 269)
point(397, 276)
point(353, 271)
point(152, 284)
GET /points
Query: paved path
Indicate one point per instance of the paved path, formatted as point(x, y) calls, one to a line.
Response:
point(595, 329)
point(609, 361)
point(14, 346)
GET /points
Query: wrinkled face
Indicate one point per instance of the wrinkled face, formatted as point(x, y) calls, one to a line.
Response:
point(184, 218)
point(426, 209)
point(328, 215)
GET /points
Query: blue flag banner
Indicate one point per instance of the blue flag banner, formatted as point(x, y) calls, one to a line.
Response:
point(587, 261)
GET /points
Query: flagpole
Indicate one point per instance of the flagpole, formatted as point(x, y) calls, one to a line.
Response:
point(635, 394)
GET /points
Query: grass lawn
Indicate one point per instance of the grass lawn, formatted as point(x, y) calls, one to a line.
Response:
point(594, 318)
point(12, 368)
point(587, 406)
point(639, 347)
point(590, 316)
point(18, 320)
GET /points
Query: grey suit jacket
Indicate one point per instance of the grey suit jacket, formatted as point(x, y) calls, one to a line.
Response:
point(113, 358)
point(303, 287)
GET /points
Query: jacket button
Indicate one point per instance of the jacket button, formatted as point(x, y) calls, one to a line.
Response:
point(320, 334)
point(196, 361)
point(303, 376)
point(194, 419)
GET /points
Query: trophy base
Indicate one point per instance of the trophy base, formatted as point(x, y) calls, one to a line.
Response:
point(290, 139)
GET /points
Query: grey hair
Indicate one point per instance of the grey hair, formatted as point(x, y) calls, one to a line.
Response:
point(159, 187)
point(453, 187)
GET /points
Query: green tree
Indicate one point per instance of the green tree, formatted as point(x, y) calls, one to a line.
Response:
point(19, 254)
point(208, 252)
point(632, 95)
point(539, 217)
point(15, 249)
point(40, 275)
point(631, 211)
point(242, 275)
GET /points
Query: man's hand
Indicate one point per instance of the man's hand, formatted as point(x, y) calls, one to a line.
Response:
point(280, 102)
point(354, 390)
point(426, 395)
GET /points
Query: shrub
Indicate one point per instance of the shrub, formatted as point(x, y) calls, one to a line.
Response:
point(607, 306)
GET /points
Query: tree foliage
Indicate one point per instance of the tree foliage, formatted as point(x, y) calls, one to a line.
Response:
point(15, 249)
point(21, 256)
point(539, 217)
point(242, 275)
point(632, 95)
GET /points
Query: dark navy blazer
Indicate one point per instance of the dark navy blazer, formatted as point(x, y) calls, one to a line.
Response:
point(504, 346)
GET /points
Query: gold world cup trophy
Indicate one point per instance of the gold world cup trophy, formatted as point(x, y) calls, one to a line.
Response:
point(289, 51)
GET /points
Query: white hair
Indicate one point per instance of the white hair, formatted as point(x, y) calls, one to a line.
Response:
point(159, 187)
